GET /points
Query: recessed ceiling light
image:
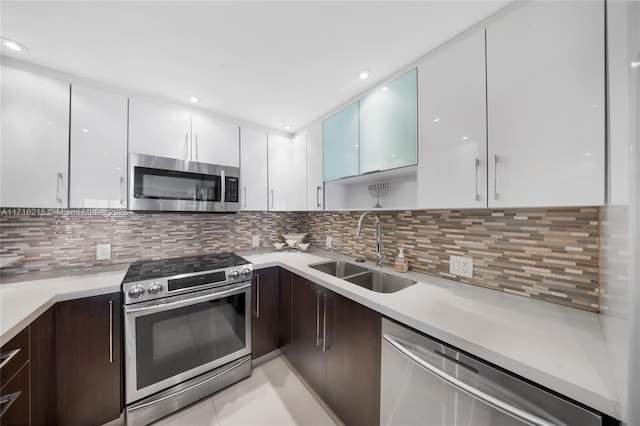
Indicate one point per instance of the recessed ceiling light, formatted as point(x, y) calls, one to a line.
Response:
point(194, 99)
point(635, 64)
point(364, 74)
point(464, 138)
point(385, 89)
point(435, 120)
point(287, 126)
point(13, 45)
point(85, 130)
point(587, 154)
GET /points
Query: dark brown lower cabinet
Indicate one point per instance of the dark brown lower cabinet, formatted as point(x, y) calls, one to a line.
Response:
point(14, 380)
point(265, 301)
point(43, 369)
point(89, 385)
point(336, 348)
point(17, 390)
point(284, 314)
point(352, 385)
point(305, 353)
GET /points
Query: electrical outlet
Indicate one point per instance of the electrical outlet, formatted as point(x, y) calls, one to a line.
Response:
point(461, 266)
point(103, 251)
point(255, 241)
point(329, 242)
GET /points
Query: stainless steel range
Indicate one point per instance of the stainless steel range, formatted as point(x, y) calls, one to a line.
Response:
point(187, 328)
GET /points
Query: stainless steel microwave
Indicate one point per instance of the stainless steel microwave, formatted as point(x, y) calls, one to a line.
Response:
point(169, 184)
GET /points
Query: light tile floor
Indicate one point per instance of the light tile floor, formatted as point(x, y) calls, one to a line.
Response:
point(272, 396)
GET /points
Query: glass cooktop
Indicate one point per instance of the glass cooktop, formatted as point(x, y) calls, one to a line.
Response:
point(151, 269)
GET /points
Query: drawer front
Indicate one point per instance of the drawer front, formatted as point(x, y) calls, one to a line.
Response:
point(14, 354)
point(15, 399)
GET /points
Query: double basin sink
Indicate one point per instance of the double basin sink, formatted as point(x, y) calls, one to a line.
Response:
point(370, 279)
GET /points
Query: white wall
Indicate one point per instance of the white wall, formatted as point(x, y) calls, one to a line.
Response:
point(620, 229)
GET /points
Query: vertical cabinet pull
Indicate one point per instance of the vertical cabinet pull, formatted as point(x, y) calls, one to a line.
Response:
point(121, 190)
point(186, 145)
point(495, 177)
point(318, 189)
point(111, 331)
point(324, 322)
point(257, 295)
point(58, 187)
point(196, 147)
point(272, 198)
point(477, 162)
point(245, 196)
point(318, 318)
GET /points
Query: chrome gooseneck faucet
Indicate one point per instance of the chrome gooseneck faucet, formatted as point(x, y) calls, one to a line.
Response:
point(380, 257)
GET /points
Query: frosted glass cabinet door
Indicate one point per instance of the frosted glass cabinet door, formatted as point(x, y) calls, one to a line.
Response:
point(214, 141)
point(157, 130)
point(546, 105)
point(314, 167)
point(452, 166)
point(389, 125)
point(34, 153)
point(340, 144)
point(98, 161)
point(253, 169)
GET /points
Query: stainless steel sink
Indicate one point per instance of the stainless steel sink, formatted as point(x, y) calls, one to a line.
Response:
point(380, 282)
point(339, 268)
point(370, 279)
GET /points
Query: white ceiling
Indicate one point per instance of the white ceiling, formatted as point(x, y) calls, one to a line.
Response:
point(270, 63)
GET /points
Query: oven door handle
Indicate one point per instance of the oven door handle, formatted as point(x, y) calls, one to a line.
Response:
point(187, 302)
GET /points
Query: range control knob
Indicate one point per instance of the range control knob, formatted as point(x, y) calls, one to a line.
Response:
point(136, 292)
point(234, 274)
point(154, 289)
point(245, 272)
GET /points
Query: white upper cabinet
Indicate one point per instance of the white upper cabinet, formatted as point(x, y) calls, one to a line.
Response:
point(214, 141)
point(452, 166)
point(34, 154)
point(157, 130)
point(287, 164)
point(546, 105)
point(253, 169)
point(388, 125)
point(314, 167)
point(98, 161)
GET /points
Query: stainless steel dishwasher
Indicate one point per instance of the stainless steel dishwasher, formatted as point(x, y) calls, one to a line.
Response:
point(425, 382)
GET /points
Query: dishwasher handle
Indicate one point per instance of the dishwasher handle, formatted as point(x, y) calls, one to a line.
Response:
point(469, 390)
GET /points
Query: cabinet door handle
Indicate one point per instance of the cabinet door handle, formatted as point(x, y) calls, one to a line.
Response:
point(318, 318)
point(121, 190)
point(245, 196)
point(272, 198)
point(186, 145)
point(196, 147)
point(257, 295)
point(495, 177)
point(58, 187)
point(318, 189)
point(477, 162)
point(324, 322)
point(111, 331)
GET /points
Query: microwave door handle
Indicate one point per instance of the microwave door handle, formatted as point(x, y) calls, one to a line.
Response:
point(223, 188)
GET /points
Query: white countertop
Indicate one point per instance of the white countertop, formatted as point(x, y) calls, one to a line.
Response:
point(555, 346)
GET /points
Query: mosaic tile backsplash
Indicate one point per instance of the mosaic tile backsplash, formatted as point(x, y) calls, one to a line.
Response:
point(546, 254)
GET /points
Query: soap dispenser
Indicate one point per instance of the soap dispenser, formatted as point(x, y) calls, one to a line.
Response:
point(401, 264)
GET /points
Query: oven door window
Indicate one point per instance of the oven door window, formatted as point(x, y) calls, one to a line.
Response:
point(156, 184)
point(172, 342)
